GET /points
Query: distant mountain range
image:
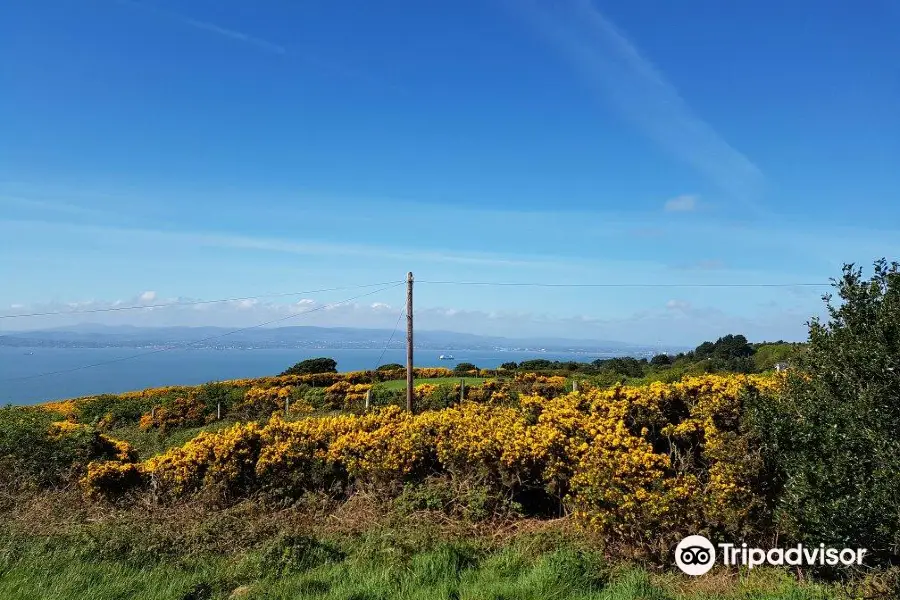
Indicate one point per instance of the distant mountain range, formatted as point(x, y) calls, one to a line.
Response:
point(126, 336)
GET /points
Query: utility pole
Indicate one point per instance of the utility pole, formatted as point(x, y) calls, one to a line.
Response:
point(409, 341)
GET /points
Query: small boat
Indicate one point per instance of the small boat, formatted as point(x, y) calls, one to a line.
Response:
point(446, 357)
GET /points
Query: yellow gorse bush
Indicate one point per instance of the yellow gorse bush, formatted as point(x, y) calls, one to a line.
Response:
point(64, 407)
point(634, 462)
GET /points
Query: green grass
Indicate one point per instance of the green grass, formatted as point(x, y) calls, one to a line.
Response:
point(399, 384)
point(55, 570)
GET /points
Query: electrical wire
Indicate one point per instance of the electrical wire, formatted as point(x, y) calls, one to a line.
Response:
point(391, 339)
point(620, 285)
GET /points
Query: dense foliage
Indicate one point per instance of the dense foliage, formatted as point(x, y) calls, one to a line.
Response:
point(641, 465)
point(313, 365)
point(37, 449)
point(832, 436)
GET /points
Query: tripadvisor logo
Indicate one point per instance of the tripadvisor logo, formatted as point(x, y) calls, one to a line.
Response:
point(696, 555)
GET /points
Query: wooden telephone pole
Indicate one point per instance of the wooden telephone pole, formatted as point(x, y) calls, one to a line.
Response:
point(409, 342)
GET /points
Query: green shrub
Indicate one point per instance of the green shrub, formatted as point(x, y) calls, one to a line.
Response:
point(312, 366)
point(443, 396)
point(113, 411)
point(315, 397)
point(464, 367)
point(462, 498)
point(382, 396)
point(216, 393)
point(831, 439)
point(31, 453)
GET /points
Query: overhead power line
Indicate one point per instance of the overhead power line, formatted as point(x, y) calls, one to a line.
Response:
point(190, 302)
point(200, 341)
point(622, 285)
point(391, 339)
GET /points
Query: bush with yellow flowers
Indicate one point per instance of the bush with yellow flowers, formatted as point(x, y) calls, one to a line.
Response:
point(635, 463)
point(110, 480)
point(184, 411)
point(37, 451)
point(262, 400)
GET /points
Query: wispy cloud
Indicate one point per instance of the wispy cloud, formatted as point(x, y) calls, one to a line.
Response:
point(712, 264)
point(310, 248)
point(46, 205)
point(314, 60)
point(211, 27)
point(684, 203)
point(675, 322)
point(613, 65)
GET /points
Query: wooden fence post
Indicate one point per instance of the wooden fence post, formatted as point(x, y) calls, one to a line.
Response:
point(218, 411)
point(574, 385)
point(368, 398)
point(462, 390)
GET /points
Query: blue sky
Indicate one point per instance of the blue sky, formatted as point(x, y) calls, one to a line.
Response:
point(153, 151)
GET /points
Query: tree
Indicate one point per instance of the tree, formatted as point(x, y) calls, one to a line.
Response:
point(725, 348)
point(509, 366)
point(704, 350)
point(830, 439)
point(537, 364)
point(732, 346)
point(626, 365)
point(391, 367)
point(313, 365)
point(464, 367)
point(661, 360)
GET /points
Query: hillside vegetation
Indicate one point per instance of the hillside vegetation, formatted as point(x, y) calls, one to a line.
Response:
point(515, 485)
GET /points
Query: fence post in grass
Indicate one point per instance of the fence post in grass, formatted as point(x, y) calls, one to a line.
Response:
point(287, 406)
point(462, 390)
point(218, 411)
point(152, 412)
point(574, 385)
point(368, 398)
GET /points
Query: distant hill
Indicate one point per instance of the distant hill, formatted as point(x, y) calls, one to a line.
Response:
point(93, 336)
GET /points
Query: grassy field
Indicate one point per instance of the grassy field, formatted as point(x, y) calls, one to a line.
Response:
point(48, 571)
point(401, 383)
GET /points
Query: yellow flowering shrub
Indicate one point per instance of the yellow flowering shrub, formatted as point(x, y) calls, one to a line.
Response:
point(60, 429)
point(430, 372)
point(263, 400)
point(111, 479)
point(64, 407)
point(184, 411)
point(356, 394)
point(100, 445)
point(224, 460)
point(635, 463)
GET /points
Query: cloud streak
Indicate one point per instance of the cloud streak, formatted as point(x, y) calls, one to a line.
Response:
point(676, 322)
point(309, 248)
point(211, 27)
point(316, 61)
point(685, 203)
point(610, 63)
